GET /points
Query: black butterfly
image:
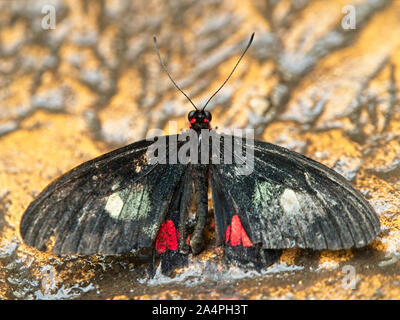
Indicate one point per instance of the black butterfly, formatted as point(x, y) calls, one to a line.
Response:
point(120, 201)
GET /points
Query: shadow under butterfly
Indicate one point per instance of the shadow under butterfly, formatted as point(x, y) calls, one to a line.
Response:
point(121, 201)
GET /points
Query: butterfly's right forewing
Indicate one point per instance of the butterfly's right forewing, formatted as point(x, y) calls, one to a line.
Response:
point(111, 204)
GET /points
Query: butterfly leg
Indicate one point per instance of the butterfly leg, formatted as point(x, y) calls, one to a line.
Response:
point(200, 179)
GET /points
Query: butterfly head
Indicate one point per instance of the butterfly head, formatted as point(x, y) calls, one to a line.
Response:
point(199, 119)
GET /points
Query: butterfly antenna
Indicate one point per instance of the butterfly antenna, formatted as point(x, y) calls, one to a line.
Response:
point(166, 71)
point(247, 47)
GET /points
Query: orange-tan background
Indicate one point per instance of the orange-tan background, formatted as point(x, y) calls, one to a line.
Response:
point(94, 83)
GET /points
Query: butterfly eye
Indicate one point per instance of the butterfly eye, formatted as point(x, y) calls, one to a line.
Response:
point(191, 114)
point(208, 116)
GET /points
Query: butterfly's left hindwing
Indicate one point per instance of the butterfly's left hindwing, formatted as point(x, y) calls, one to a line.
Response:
point(291, 201)
point(111, 204)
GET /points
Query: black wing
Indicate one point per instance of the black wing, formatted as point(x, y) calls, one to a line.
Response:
point(291, 201)
point(111, 204)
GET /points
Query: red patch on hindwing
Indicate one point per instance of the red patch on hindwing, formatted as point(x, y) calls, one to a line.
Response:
point(236, 235)
point(167, 237)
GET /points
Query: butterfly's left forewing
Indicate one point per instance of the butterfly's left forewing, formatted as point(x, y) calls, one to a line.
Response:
point(290, 201)
point(111, 204)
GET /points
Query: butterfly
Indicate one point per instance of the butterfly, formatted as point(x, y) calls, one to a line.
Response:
point(121, 201)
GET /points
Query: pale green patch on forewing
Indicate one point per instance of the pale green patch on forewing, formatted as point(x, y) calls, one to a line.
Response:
point(128, 204)
point(265, 192)
point(137, 204)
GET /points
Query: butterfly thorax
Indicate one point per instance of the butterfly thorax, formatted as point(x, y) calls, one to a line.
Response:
point(199, 120)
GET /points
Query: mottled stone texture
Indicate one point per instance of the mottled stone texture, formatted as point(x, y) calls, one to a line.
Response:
point(94, 83)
